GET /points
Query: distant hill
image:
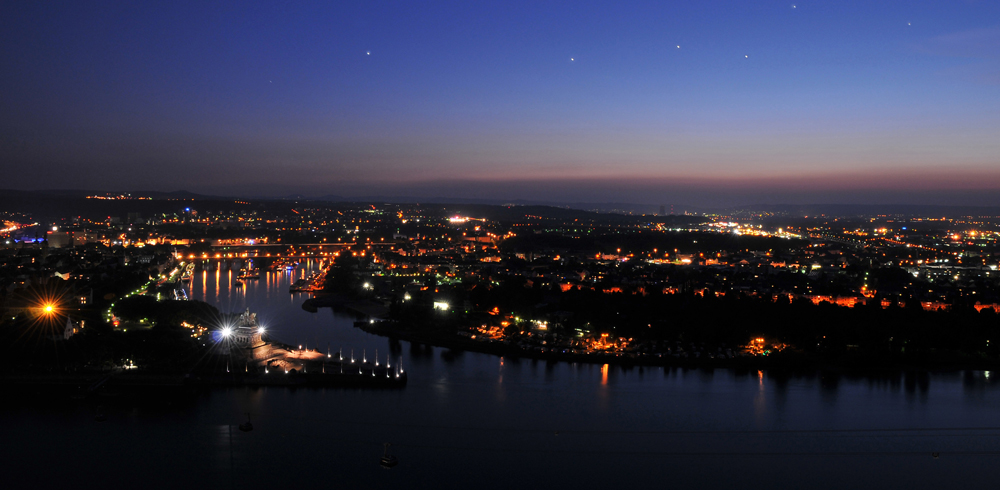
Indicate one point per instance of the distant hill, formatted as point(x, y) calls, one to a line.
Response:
point(65, 202)
point(599, 207)
point(180, 194)
point(57, 204)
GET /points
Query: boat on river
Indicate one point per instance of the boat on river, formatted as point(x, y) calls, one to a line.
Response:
point(388, 460)
point(249, 273)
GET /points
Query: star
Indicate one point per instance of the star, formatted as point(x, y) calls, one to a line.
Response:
point(369, 53)
point(571, 59)
point(678, 46)
point(793, 6)
point(746, 56)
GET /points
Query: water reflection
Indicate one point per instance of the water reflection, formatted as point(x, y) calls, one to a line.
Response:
point(450, 355)
point(754, 398)
point(706, 374)
point(917, 383)
point(829, 382)
point(418, 350)
point(778, 383)
point(978, 385)
point(550, 367)
point(760, 402)
point(500, 391)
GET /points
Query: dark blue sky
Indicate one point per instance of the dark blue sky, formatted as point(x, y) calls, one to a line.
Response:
point(762, 102)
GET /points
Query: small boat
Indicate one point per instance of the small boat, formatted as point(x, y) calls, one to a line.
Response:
point(388, 460)
point(249, 274)
point(246, 426)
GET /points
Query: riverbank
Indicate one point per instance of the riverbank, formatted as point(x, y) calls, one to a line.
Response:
point(457, 342)
point(339, 301)
point(789, 359)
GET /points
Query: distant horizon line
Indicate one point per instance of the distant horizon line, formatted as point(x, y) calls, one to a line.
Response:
point(578, 204)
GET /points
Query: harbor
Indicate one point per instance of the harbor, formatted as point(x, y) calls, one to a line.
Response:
point(252, 358)
point(458, 402)
point(271, 340)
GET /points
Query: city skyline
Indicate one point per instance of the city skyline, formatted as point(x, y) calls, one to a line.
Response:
point(718, 104)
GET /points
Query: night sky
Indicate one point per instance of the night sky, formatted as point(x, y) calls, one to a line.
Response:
point(701, 103)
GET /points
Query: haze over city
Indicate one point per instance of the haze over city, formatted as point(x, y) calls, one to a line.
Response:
point(713, 103)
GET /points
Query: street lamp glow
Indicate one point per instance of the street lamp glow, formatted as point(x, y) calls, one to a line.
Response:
point(226, 332)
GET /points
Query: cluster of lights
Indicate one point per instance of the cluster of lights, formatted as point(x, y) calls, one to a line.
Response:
point(120, 197)
point(108, 314)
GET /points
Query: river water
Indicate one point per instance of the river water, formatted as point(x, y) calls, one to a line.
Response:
point(468, 420)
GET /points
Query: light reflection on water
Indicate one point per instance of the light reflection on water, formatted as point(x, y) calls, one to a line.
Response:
point(467, 415)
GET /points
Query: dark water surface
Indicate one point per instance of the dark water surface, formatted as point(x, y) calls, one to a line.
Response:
point(469, 420)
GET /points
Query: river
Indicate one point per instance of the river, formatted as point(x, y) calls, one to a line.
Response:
point(468, 420)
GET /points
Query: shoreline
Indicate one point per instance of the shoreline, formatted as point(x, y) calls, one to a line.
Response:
point(783, 361)
point(335, 300)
